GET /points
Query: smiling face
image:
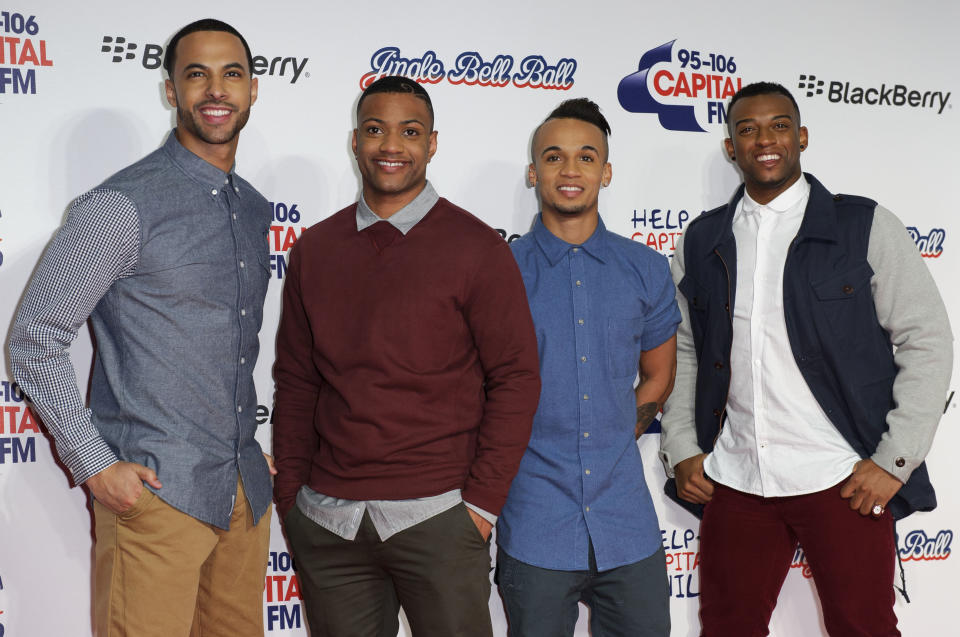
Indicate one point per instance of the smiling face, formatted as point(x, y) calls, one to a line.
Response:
point(393, 143)
point(212, 90)
point(569, 167)
point(766, 143)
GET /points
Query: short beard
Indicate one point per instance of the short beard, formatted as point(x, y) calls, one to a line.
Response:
point(188, 121)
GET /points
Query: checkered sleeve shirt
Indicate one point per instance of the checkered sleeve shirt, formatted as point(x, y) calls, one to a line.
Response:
point(98, 244)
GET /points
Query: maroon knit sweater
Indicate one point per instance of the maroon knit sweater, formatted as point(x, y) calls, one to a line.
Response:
point(405, 367)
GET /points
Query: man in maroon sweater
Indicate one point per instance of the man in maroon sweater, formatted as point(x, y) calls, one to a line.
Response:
point(407, 379)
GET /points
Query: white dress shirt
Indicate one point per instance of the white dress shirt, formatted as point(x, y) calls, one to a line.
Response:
point(777, 441)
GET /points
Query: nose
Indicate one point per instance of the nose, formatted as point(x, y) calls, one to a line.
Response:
point(570, 167)
point(216, 88)
point(765, 136)
point(391, 142)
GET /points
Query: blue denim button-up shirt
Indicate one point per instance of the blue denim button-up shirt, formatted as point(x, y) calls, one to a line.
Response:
point(595, 307)
point(169, 259)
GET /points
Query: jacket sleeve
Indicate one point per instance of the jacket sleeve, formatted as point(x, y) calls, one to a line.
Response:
point(910, 309)
point(498, 315)
point(678, 437)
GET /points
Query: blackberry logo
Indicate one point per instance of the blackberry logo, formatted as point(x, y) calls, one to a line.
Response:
point(883, 95)
point(811, 84)
point(120, 53)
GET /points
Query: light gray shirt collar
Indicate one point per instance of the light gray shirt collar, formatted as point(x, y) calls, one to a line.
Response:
point(403, 219)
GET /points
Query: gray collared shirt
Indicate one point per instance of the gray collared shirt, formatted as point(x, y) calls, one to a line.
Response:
point(341, 516)
point(169, 260)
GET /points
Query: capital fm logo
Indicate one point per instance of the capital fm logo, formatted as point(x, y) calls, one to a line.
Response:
point(844, 92)
point(120, 49)
point(686, 88)
point(22, 53)
point(930, 244)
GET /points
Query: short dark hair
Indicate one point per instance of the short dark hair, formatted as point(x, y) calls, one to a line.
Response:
point(397, 84)
point(760, 88)
point(206, 24)
point(586, 110)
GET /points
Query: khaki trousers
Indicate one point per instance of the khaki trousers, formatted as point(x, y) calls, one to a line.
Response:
point(159, 572)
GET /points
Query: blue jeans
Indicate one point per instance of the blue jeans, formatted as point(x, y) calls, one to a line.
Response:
point(627, 601)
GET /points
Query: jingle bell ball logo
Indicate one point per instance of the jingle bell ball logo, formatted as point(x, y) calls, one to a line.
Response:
point(686, 88)
point(929, 244)
point(473, 69)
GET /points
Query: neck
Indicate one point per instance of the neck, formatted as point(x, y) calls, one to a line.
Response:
point(220, 155)
point(764, 194)
point(575, 229)
point(387, 204)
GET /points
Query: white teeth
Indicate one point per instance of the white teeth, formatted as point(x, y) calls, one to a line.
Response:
point(391, 164)
point(768, 157)
point(215, 112)
point(570, 188)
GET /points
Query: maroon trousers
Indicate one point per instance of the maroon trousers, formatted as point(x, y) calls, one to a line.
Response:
point(747, 544)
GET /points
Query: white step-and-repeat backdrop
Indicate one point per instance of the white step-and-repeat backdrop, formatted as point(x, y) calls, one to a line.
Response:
point(81, 96)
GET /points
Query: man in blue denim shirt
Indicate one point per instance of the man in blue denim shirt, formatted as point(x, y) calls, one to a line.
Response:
point(579, 523)
point(169, 260)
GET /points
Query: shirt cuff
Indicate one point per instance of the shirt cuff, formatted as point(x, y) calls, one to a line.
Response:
point(89, 459)
point(486, 515)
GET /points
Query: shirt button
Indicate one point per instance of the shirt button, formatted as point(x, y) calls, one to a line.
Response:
point(213, 192)
point(757, 362)
point(588, 509)
point(580, 321)
point(226, 180)
point(236, 190)
point(583, 359)
point(242, 264)
point(239, 409)
point(587, 472)
point(243, 312)
point(586, 434)
point(899, 462)
point(848, 289)
point(234, 215)
point(576, 249)
point(243, 360)
point(578, 284)
point(718, 365)
point(586, 397)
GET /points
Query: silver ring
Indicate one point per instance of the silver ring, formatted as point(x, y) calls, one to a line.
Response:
point(877, 510)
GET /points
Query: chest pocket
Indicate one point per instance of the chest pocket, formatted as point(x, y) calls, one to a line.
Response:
point(623, 345)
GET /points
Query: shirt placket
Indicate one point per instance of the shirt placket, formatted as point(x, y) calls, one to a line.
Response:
point(582, 329)
point(759, 311)
point(230, 198)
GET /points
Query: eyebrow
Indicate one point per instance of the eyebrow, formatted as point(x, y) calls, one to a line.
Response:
point(204, 67)
point(753, 119)
point(557, 148)
point(405, 122)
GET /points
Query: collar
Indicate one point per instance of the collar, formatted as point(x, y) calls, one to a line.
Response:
point(782, 202)
point(554, 248)
point(403, 219)
point(198, 169)
point(819, 218)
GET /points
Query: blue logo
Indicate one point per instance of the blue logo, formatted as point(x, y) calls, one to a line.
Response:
point(930, 244)
point(675, 91)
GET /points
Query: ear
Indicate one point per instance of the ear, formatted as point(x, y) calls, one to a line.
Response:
point(254, 88)
point(532, 175)
point(171, 92)
point(607, 174)
point(433, 146)
point(353, 142)
point(728, 144)
point(804, 138)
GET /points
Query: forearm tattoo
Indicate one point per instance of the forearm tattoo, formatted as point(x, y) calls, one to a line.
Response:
point(645, 415)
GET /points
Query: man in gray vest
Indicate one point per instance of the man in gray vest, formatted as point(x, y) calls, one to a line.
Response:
point(169, 260)
point(812, 363)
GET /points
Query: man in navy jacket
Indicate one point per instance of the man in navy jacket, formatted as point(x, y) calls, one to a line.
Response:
point(813, 358)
